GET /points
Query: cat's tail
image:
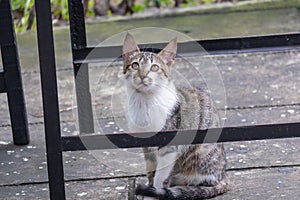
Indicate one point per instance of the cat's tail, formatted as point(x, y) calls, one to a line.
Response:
point(183, 192)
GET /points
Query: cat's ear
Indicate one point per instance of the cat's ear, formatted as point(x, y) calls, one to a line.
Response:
point(168, 54)
point(130, 48)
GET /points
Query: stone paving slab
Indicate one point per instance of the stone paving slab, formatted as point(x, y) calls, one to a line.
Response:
point(250, 80)
point(27, 164)
point(260, 88)
point(235, 117)
point(274, 183)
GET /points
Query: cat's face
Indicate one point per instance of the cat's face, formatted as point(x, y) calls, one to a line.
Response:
point(144, 71)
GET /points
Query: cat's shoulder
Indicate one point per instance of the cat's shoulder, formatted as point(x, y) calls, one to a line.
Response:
point(190, 94)
point(197, 105)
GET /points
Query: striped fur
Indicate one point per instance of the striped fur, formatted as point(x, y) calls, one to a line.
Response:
point(184, 172)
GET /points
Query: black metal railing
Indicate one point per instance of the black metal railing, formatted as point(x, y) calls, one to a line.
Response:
point(56, 144)
point(260, 43)
point(228, 134)
point(10, 76)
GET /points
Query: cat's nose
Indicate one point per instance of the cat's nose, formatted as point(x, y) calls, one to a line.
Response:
point(145, 80)
point(143, 77)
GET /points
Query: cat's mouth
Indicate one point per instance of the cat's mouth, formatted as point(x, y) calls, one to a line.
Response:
point(145, 84)
point(143, 87)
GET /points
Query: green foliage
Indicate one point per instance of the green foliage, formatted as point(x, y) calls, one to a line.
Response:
point(60, 9)
point(90, 12)
point(147, 3)
point(23, 8)
point(208, 1)
point(138, 7)
point(158, 3)
point(17, 4)
point(109, 13)
point(189, 3)
point(165, 2)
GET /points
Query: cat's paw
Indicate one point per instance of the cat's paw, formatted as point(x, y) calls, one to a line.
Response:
point(145, 198)
point(144, 190)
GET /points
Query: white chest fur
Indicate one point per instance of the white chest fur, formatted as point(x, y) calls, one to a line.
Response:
point(149, 112)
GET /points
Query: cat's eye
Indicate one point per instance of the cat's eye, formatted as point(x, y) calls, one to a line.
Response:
point(135, 66)
point(154, 68)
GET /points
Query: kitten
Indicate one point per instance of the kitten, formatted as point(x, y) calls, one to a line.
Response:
point(155, 104)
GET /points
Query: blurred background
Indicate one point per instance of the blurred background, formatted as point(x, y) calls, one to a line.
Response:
point(24, 11)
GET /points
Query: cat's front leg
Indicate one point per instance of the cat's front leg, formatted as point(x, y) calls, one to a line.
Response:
point(165, 159)
point(165, 163)
point(151, 163)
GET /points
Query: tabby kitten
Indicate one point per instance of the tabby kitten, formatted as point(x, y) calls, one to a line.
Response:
point(155, 104)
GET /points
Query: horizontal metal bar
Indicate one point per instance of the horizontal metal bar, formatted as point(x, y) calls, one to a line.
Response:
point(2, 81)
point(276, 42)
point(226, 134)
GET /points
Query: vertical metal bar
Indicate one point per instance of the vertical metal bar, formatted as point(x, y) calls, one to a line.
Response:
point(50, 99)
point(2, 81)
point(12, 76)
point(81, 71)
point(131, 188)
